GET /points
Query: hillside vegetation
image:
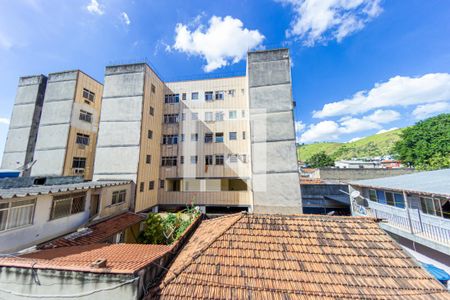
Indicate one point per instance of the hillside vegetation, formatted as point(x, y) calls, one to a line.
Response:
point(374, 145)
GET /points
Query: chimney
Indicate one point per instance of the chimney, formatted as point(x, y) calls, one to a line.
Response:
point(99, 263)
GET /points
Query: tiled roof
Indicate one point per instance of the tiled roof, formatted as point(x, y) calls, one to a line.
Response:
point(430, 182)
point(97, 233)
point(294, 257)
point(57, 188)
point(120, 258)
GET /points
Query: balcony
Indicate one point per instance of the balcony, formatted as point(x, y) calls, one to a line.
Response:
point(411, 222)
point(231, 198)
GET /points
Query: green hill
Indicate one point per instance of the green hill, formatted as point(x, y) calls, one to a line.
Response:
point(374, 145)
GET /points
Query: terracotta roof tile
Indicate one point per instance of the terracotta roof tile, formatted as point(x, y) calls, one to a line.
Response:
point(120, 258)
point(294, 257)
point(97, 233)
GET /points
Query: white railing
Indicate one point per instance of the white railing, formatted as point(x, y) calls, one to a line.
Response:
point(413, 221)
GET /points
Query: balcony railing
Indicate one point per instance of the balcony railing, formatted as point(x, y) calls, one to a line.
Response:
point(410, 220)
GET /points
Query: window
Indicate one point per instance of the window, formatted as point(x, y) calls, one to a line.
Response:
point(243, 113)
point(79, 163)
point(153, 88)
point(208, 137)
point(173, 98)
point(209, 116)
point(170, 119)
point(399, 200)
point(82, 139)
point(381, 198)
point(183, 116)
point(194, 116)
point(88, 95)
point(373, 195)
point(434, 206)
point(194, 137)
point(219, 95)
point(219, 116)
point(232, 114)
point(150, 134)
point(183, 96)
point(209, 96)
point(219, 159)
point(233, 158)
point(66, 205)
point(219, 137)
point(243, 135)
point(170, 139)
point(181, 159)
point(16, 214)
point(148, 159)
point(233, 135)
point(231, 92)
point(390, 198)
point(141, 187)
point(151, 185)
point(118, 197)
point(169, 161)
point(194, 96)
point(85, 116)
point(244, 158)
point(208, 160)
point(152, 111)
point(194, 159)
point(161, 183)
point(182, 137)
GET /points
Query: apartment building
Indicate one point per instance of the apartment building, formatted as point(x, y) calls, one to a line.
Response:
point(24, 124)
point(224, 144)
point(130, 130)
point(205, 147)
point(68, 126)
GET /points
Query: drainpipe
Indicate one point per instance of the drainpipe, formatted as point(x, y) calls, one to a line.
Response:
point(407, 210)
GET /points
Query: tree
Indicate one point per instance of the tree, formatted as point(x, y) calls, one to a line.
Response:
point(426, 145)
point(320, 160)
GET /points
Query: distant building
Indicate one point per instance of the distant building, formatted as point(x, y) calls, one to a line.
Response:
point(357, 164)
point(415, 209)
point(34, 212)
point(24, 124)
point(68, 127)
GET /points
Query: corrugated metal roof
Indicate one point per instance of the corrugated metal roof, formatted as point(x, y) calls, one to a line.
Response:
point(431, 182)
point(52, 189)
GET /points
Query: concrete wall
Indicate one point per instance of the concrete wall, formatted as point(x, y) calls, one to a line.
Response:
point(70, 285)
point(42, 229)
point(274, 162)
point(358, 174)
point(117, 154)
point(24, 124)
point(54, 127)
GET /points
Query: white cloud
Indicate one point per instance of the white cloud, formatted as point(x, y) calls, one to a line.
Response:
point(383, 116)
point(321, 20)
point(4, 121)
point(124, 18)
point(355, 139)
point(427, 110)
point(386, 130)
point(299, 128)
point(331, 130)
point(95, 8)
point(322, 131)
point(225, 41)
point(397, 91)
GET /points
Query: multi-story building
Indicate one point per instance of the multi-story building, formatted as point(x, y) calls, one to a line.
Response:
point(24, 124)
point(224, 144)
point(217, 143)
point(68, 127)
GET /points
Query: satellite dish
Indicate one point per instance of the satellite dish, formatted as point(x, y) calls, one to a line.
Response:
point(355, 194)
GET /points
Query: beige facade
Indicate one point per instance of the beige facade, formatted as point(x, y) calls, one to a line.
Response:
point(67, 135)
point(205, 147)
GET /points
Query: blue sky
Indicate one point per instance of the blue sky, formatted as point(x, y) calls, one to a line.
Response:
point(359, 66)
